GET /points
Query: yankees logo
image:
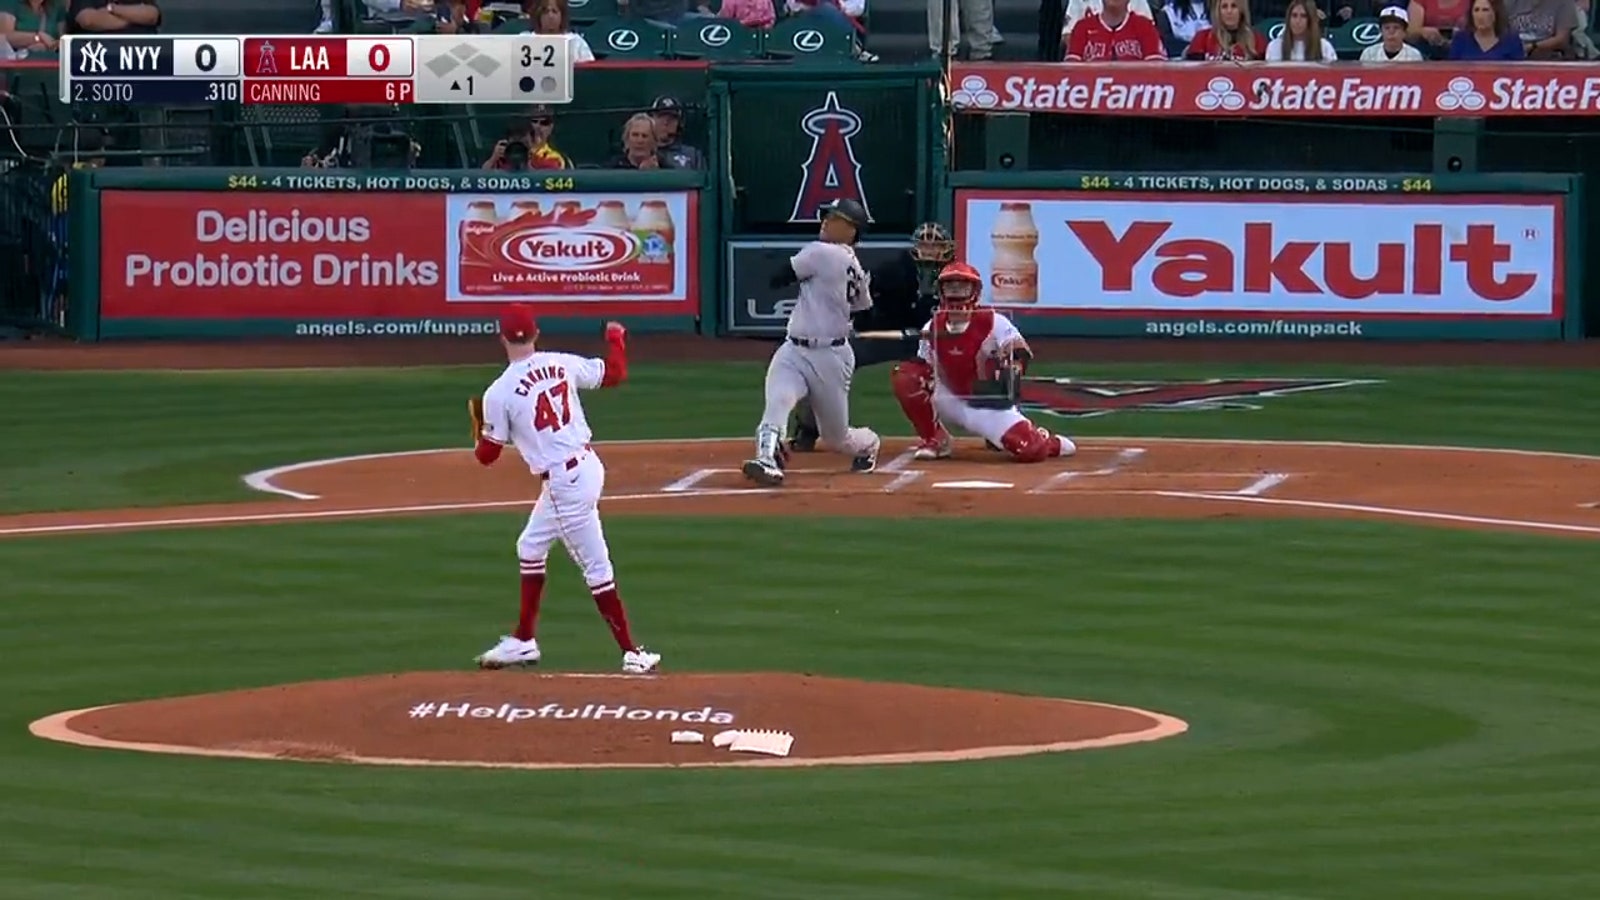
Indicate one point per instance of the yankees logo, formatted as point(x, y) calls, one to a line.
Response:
point(831, 172)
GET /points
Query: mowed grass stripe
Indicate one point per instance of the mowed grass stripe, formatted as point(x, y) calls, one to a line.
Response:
point(1286, 773)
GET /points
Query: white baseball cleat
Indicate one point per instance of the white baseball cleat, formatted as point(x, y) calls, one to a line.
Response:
point(934, 448)
point(640, 661)
point(868, 460)
point(764, 472)
point(510, 652)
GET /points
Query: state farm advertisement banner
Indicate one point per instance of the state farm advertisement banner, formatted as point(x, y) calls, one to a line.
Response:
point(1277, 89)
point(316, 256)
point(1118, 253)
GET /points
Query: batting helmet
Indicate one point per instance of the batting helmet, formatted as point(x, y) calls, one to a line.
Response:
point(847, 209)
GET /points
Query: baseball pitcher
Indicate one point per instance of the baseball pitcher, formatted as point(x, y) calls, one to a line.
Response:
point(815, 358)
point(534, 406)
point(969, 367)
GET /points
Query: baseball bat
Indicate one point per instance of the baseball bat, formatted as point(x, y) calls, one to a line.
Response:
point(893, 333)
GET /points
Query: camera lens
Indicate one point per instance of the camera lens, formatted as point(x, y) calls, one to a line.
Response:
point(1007, 160)
point(1454, 164)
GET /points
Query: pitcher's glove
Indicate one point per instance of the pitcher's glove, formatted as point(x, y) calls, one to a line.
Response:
point(475, 410)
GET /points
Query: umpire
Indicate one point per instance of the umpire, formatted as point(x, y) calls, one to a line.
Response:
point(903, 298)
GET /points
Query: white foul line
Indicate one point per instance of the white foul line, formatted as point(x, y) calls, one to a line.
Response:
point(901, 480)
point(1123, 457)
point(355, 512)
point(899, 463)
point(1263, 484)
point(1384, 511)
point(690, 480)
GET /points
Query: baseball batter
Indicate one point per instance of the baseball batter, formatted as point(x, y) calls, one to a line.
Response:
point(963, 346)
point(534, 406)
point(815, 358)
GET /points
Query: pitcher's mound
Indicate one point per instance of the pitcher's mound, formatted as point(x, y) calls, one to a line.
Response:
point(514, 719)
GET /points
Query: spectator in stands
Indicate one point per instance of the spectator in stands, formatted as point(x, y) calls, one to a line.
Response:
point(842, 14)
point(1433, 23)
point(971, 20)
point(668, 13)
point(666, 113)
point(555, 17)
point(1302, 39)
point(1545, 27)
point(1076, 11)
point(1393, 22)
point(1179, 21)
point(639, 147)
point(749, 13)
point(1114, 34)
point(113, 17)
point(1489, 38)
point(32, 29)
point(1230, 35)
point(527, 145)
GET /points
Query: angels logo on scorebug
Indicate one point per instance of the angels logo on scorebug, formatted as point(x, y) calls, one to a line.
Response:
point(1077, 398)
point(831, 172)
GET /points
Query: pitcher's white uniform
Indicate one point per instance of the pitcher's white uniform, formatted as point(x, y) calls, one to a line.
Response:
point(534, 406)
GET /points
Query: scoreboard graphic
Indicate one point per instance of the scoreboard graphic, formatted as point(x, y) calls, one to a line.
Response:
point(303, 69)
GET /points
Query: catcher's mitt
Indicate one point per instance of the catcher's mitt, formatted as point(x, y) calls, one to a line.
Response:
point(1000, 390)
point(475, 410)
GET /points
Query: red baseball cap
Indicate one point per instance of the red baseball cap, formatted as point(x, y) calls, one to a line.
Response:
point(517, 324)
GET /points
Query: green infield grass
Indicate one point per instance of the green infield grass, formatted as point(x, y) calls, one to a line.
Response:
point(1376, 711)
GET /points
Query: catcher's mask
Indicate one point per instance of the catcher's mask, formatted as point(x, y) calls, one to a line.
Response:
point(960, 286)
point(931, 245)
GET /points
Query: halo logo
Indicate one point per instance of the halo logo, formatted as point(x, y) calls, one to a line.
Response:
point(1220, 94)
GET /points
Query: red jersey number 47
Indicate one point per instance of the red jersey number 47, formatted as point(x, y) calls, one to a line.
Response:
point(550, 410)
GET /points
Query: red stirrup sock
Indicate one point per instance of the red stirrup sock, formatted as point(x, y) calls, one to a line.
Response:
point(532, 593)
point(609, 602)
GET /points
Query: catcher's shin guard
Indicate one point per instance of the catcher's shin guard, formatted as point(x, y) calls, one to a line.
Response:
point(1028, 443)
point(913, 388)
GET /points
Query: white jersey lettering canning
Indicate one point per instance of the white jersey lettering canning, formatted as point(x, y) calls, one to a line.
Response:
point(832, 286)
point(534, 406)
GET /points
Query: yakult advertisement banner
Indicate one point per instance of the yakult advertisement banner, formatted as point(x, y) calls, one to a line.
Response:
point(1352, 257)
point(393, 256)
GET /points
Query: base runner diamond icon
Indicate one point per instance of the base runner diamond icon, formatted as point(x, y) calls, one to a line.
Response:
point(461, 69)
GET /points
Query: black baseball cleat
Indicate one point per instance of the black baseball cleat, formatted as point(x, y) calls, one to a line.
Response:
point(763, 472)
point(805, 440)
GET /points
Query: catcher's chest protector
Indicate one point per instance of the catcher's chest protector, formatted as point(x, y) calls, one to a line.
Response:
point(957, 354)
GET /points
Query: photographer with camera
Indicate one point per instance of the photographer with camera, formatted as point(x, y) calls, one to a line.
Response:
point(527, 145)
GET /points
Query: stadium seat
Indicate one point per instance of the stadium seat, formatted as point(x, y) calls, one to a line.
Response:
point(718, 40)
point(588, 12)
point(1270, 28)
point(810, 39)
point(615, 38)
point(1355, 36)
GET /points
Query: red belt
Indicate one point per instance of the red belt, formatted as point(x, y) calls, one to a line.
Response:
point(569, 465)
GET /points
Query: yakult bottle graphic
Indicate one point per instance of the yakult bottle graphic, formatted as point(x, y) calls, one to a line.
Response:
point(1013, 271)
point(612, 214)
point(656, 231)
point(526, 209)
point(476, 226)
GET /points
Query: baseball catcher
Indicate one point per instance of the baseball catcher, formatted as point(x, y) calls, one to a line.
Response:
point(969, 368)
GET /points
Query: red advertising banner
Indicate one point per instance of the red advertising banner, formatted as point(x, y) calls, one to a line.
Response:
point(1224, 89)
point(377, 256)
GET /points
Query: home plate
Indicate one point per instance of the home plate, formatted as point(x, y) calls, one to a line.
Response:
point(972, 484)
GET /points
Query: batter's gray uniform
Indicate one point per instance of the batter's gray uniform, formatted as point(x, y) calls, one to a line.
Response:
point(815, 359)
